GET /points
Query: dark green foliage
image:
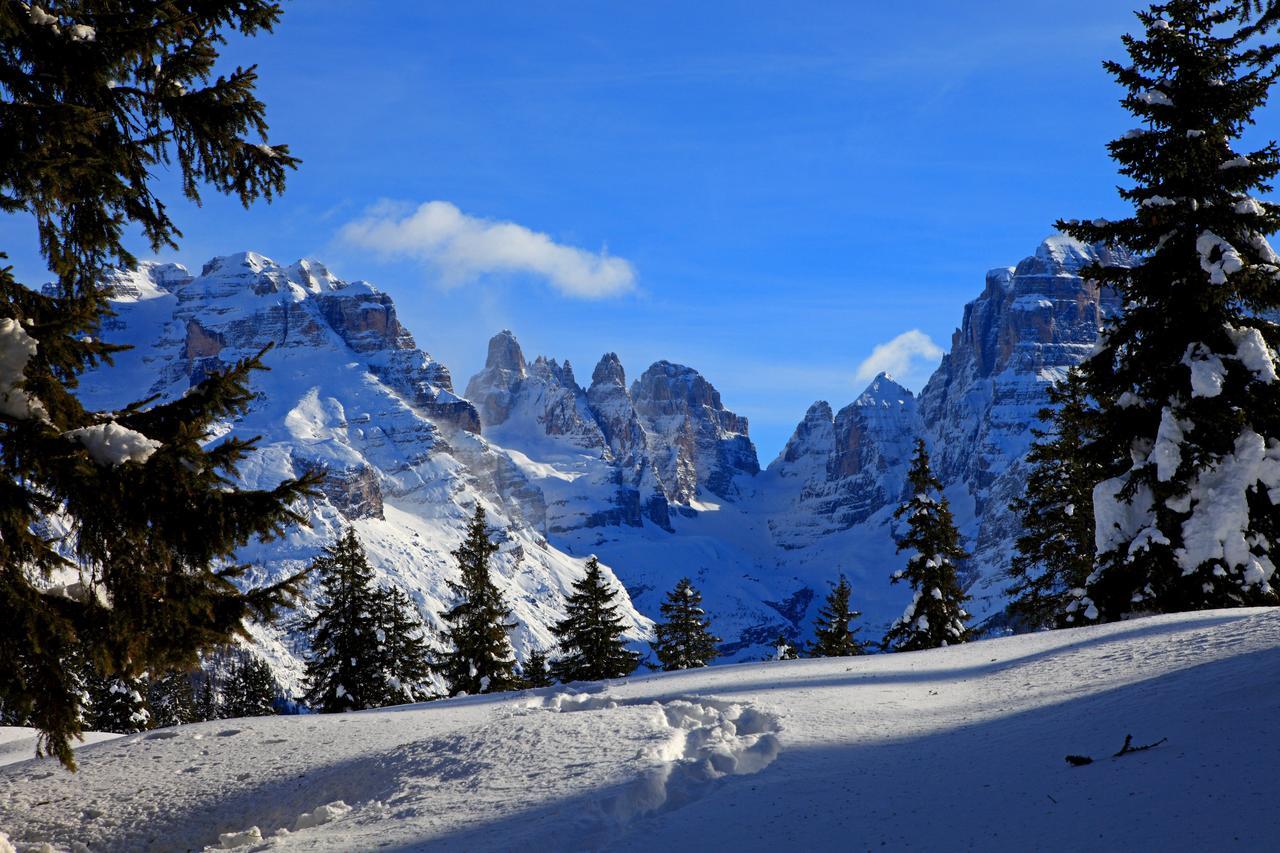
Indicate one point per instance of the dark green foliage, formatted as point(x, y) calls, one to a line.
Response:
point(342, 664)
point(367, 644)
point(250, 691)
point(1183, 377)
point(403, 657)
point(207, 701)
point(1055, 552)
point(832, 634)
point(684, 638)
point(115, 703)
point(172, 700)
point(1267, 12)
point(479, 658)
point(535, 672)
point(85, 123)
point(935, 616)
point(784, 649)
point(590, 635)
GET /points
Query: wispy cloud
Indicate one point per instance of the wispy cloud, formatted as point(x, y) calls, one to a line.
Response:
point(464, 249)
point(898, 356)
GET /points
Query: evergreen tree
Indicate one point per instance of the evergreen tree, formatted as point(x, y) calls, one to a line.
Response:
point(784, 649)
point(251, 690)
point(479, 658)
point(684, 639)
point(832, 636)
point(403, 659)
point(535, 672)
point(171, 699)
point(590, 635)
point(935, 616)
point(1055, 552)
point(343, 671)
point(115, 703)
point(207, 702)
point(91, 109)
point(1185, 376)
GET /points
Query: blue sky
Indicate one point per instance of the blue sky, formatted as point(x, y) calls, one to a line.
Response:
point(779, 187)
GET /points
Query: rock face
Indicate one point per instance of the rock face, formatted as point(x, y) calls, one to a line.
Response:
point(695, 442)
point(665, 441)
point(847, 466)
point(1029, 326)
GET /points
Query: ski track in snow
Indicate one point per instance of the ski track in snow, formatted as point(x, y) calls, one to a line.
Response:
point(959, 748)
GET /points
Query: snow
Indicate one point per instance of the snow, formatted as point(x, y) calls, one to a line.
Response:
point(1253, 352)
point(1220, 509)
point(1167, 451)
point(1236, 163)
point(1119, 521)
point(1227, 262)
point(82, 32)
point(19, 744)
point(41, 18)
point(1249, 207)
point(1207, 371)
point(321, 815)
point(16, 349)
point(113, 444)
point(1155, 97)
point(960, 748)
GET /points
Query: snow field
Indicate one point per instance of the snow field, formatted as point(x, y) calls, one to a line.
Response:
point(959, 748)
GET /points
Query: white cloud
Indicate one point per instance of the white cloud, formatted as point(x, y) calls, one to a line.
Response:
point(897, 357)
point(466, 248)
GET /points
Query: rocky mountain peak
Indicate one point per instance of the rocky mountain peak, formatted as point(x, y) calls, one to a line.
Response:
point(609, 371)
point(505, 353)
point(814, 436)
point(695, 442)
point(885, 391)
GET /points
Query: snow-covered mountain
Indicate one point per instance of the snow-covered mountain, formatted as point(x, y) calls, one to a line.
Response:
point(658, 477)
point(347, 389)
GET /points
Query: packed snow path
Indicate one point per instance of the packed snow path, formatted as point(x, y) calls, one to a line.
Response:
point(961, 748)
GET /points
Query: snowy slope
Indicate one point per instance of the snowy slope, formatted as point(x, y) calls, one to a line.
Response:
point(959, 748)
point(19, 744)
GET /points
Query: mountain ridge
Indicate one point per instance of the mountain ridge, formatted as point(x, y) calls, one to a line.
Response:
point(657, 476)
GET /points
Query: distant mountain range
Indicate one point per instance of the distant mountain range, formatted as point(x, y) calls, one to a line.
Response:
point(656, 477)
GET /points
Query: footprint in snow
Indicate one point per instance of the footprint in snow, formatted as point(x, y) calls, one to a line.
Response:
point(711, 739)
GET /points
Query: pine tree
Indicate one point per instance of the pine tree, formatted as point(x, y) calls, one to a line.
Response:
point(832, 636)
point(171, 700)
point(342, 665)
point(784, 649)
point(479, 658)
point(684, 639)
point(590, 635)
point(115, 703)
point(935, 616)
point(207, 706)
point(1054, 555)
point(403, 656)
point(1185, 376)
point(91, 109)
point(535, 673)
point(251, 690)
